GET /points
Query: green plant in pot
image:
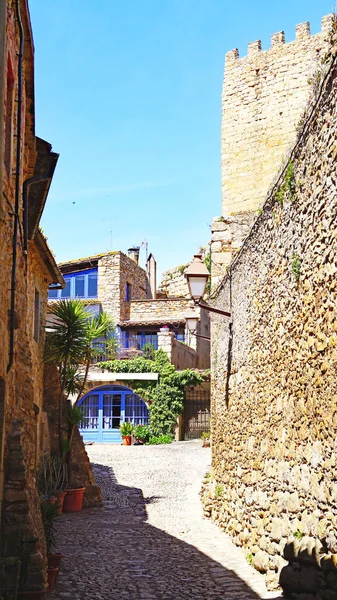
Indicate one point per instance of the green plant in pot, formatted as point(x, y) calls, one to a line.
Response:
point(205, 439)
point(49, 512)
point(74, 494)
point(126, 430)
point(141, 433)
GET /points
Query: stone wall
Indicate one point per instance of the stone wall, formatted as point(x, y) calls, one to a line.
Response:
point(173, 283)
point(115, 270)
point(274, 419)
point(263, 100)
point(156, 310)
point(82, 475)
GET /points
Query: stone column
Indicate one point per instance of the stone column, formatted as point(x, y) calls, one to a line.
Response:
point(165, 341)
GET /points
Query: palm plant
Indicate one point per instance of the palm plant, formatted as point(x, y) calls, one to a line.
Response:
point(70, 345)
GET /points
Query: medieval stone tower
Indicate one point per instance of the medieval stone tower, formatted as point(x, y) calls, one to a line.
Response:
point(263, 100)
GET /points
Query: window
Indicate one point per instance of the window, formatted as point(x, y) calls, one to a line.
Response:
point(82, 284)
point(65, 293)
point(128, 292)
point(36, 324)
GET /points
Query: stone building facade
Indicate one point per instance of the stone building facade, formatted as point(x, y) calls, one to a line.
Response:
point(27, 165)
point(126, 292)
point(263, 100)
point(274, 395)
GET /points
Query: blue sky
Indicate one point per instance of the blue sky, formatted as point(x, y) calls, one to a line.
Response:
point(129, 93)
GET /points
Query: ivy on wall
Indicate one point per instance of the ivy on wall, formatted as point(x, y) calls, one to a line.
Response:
point(165, 398)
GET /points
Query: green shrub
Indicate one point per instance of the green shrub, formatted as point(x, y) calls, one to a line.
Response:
point(142, 433)
point(219, 491)
point(205, 435)
point(160, 439)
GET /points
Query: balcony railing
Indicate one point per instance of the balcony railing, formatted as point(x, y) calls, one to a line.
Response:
point(131, 346)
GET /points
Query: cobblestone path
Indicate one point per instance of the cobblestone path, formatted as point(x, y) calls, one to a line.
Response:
point(150, 541)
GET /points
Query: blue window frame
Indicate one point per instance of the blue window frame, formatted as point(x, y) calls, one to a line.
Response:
point(105, 409)
point(82, 284)
point(128, 292)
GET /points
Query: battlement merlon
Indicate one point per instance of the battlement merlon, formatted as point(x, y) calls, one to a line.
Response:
point(277, 39)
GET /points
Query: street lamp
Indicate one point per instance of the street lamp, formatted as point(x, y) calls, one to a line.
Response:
point(192, 320)
point(197, 276)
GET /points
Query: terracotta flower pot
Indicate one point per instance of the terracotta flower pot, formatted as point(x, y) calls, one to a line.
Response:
point(32, 595)
point(73, 500)
point(52, 573)
point(60, 500)
point(54, 560)
point(126, 439)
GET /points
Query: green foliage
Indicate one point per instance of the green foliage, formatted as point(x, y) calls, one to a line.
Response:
point(74, 415)
point(208, 264)
point(126, 429)
point(298, 534)
point(160, 439)
point(142, 433)
point(250, 558)
point(205, 435)
point(296, 266)
point(219, 491)
point(259, 211)
point(182, 268)
point(49, 513)
point(165, 398)
point(288, 186)
point(148, 351)
point(207, 475)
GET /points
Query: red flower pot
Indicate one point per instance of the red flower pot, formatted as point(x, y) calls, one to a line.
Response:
point(54, 560)
point(32, 595)
point(73, 500)
point(60, 500)
point(126, 439)
point(52, 573)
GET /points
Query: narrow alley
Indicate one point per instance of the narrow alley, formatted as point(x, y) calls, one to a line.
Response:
point(150, 541)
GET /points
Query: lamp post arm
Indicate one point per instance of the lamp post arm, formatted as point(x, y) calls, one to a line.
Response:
point(203, 337)
point(218, 311)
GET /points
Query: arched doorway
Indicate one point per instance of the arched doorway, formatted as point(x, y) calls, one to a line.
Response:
point(105, 408)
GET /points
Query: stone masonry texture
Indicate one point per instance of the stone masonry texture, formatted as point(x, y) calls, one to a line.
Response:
point(264, 97)
point(274, 453)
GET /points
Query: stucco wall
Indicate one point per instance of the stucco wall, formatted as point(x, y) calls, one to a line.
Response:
point(274, 456)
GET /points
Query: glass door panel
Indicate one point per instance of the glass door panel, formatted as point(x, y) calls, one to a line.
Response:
point(89, 409)
point(112, 406)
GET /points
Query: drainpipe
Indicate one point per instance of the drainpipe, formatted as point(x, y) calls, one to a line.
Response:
point(17, 191)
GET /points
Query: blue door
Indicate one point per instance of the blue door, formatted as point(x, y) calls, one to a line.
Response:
point(105, 408)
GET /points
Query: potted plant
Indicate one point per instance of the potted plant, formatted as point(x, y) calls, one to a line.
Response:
point(74, 495)
point(205, 439)
point(49, 512)
point(141, 434)
point(126, 431)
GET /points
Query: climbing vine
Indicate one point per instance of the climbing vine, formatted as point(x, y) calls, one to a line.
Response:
point(165, 398)
point(288, 185)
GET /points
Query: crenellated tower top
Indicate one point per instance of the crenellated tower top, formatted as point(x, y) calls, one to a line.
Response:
point(264, 96)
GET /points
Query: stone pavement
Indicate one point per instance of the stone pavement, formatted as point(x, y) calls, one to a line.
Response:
point(151, 546)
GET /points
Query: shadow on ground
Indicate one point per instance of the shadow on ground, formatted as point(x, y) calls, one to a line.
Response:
point(112, 553)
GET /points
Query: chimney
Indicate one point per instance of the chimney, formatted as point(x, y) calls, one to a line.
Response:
point(151, 267)
point(133, 253)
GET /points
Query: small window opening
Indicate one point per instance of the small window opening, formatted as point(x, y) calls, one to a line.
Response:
point(128, 292)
